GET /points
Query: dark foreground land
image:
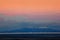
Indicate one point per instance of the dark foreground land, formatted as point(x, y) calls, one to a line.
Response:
point(30, 36)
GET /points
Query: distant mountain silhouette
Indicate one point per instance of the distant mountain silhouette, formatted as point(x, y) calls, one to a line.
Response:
point(31, 30)
point(12, 26)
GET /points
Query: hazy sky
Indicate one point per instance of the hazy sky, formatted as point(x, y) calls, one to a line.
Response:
point(38, 10)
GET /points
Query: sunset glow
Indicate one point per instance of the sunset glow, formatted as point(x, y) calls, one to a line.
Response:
point(34, 9)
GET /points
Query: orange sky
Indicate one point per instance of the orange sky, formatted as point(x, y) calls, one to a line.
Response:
point(8, 6)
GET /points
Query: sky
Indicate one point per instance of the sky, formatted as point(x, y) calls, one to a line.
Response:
point(28, 10)
point(15, 14)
